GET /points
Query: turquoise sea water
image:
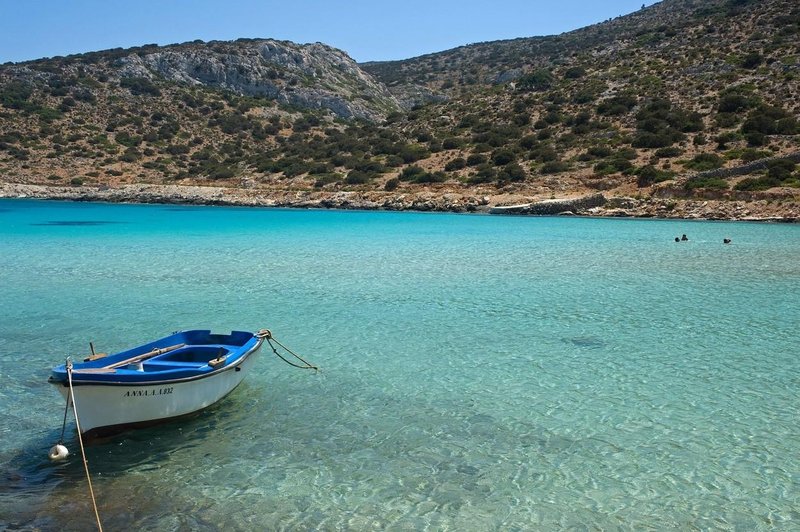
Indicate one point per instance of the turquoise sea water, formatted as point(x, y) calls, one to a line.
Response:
point(478, 372)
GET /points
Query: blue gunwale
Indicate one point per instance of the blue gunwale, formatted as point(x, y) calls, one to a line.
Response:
point(188, 361)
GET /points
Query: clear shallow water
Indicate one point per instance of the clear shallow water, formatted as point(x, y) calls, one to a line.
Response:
point(478, 372)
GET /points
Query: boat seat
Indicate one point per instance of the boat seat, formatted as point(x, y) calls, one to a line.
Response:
point(167, 364)
point(221, 346)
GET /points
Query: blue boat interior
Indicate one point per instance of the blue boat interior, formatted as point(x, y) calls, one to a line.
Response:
point(194, 354)
point(180, 355)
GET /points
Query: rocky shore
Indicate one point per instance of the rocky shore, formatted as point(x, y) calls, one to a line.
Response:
point(777, 209)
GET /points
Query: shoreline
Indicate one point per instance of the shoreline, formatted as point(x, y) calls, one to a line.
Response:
point(591, 205)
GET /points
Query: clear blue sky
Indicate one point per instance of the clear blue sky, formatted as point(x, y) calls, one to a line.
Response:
point(369, 30)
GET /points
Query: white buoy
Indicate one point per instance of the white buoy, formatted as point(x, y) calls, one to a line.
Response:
point(58, 452)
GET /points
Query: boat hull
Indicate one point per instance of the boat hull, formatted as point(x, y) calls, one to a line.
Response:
point(110, 407)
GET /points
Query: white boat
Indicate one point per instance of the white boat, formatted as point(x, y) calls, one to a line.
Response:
point(159, 381)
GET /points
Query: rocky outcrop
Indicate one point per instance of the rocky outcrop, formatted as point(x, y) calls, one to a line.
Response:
point(308, 75)
point(553, 206)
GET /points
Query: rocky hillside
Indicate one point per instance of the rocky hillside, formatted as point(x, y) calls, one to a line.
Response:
point(311, 76)
point(677, 100)
point(667, 30)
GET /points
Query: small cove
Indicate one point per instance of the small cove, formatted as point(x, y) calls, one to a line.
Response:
point(478, 372)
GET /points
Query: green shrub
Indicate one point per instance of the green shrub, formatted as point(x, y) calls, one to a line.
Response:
point(140, 86)
point(413, 153)
point(544, 154)
point(733, 102)
point(293, 167)
point(369, 166)
point(660, 124)
point(552, 117)
point(511, 172)
point(410, 173)
point(754, 138)
point(705, 161)
point(127, 139)
point(456, 164)
point(649, 175)
point(469, 121)
point(419, 175)
point(168, 130)
point(485, 174)
point(85, 95)
point(645, 139)
point(14, 95)
point(768, 120)
point(749, 155)
point(618, 105)
point(475, 159)
point(393, 161)
point(48, 114)
point(582, 118)
point(305, 123)
point(320, 169)
point(326, 179)
point(221, 172)
point(759, 124)
point(358, 177)
point(724, 138)
point(554, 167)
point(588, 91)
point(538, 80)
point(503, 157)
point(752, 60)
point(599, 151)
point(781, 169)
point(581, 128)
point(575, 72)
point(706, 182)
point(431, 177)
point(664, 153)
point(392, 184)
point(752, 184)
point(452, 143)
point(613, 166)
point(521, 119)
point(724, 120)
point(527, 142)
point(130, 155)
point(787, 126)
point(541, 124)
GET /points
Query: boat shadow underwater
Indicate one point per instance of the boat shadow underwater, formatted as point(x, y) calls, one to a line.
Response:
point(132, 449)
point(47, 491)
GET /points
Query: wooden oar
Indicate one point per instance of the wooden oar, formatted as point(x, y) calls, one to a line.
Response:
point(149, 354)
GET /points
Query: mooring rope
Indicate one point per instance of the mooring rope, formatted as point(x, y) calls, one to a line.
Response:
point(64, 424)
point(80, 440)
point(265, 334)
